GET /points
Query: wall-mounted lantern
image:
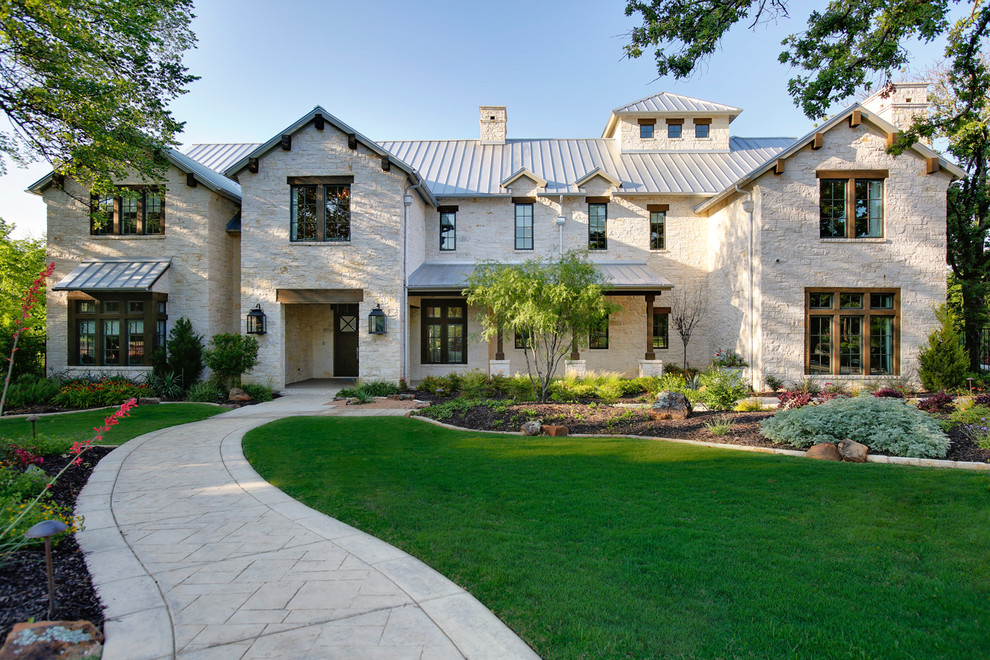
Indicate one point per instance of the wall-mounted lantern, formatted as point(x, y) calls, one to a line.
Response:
point(256, 321)
point(377, 321)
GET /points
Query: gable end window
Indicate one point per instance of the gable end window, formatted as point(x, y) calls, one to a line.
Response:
point(132, 211)
point(852, 332)
point(320, 209)
point(448, 228)
point(597, 226)
point(524, 227)
point(851, 195)
point(444, 332)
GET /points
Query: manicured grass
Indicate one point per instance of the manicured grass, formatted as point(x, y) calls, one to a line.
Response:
point(636, 548)
point(79, 426)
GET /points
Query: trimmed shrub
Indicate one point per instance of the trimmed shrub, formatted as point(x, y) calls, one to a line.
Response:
point(943, 360)
point(940, 402)
point(721, 389)
point(184, 353)
point(30, 390)
point(258, 392)
point(207, 392)
point(230, 356)
point(882, 424)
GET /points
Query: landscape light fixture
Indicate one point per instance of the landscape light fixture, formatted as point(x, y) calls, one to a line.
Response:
point(44, 530)
point(256, 321)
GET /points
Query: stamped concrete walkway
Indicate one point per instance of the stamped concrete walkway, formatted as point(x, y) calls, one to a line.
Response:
point(195, 556)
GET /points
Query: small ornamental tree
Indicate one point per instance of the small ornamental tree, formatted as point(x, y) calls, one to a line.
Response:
point(185, 353)
point(943, 360)
point(230, 355)
point(552, 302)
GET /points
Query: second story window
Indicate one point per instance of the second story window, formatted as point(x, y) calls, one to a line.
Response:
point(320, 209)
point(646, 128)
point(658, 226)
point(597, 223)
point(701, 128)
point(674, 128)
point(448, 228)
point(859, 197)
point(524, 227)
point(132, 211)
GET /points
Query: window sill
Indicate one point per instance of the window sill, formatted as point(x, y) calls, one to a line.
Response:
point(827, 377)
point(879, 239)
point(319, 243)
point(660, 251)
point(128, 237)
point(522, 250)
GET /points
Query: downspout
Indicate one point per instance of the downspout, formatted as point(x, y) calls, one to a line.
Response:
point(748, 207)
point(407, 201)
point(560, 226)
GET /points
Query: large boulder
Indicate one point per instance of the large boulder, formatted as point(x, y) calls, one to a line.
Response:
point(853, 451)
point(238, 395)
point(72, 640)
point(532, 428)
point(671, 405)
point(825, 451)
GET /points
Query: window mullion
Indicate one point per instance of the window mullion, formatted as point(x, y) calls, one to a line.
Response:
point(140, 212)
point(851, 208)
point(321, 213)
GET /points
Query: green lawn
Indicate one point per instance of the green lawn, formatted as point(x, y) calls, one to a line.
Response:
point(626, 548)
point(79, 426)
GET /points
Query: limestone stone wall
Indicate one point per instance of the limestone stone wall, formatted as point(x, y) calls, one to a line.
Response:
point(199, 282)
point(718, 135)
point(370, 262)
point(910, 256)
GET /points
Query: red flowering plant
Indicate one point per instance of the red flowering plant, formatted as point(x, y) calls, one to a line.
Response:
point(30, 300)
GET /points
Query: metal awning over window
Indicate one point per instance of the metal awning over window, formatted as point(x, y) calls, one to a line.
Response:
point(115, 274)
point(625, 278)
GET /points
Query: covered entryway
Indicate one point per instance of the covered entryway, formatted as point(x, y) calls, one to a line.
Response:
point(321, 333)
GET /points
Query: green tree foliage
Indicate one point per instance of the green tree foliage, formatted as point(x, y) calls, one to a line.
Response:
point(85, 84)
point(184, 350)
point(230, 355)
point(553, 302)
point(20, 262)
point(943, 361)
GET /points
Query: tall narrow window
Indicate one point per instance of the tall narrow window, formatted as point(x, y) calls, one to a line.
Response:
point(869, 208)
point(852, 332)
point(444, 332)
point(658, 235)
point(820, 351)
point(102, 215)
point(448, 231)
point(850, 344)
point(153, 212)
point(597, 226)
point(337, 212)
point(129, 214)
point(135, 341)
point(833, 208)
point(598, 337)
point(524, 227)
point(111, 342)
point(87, 342)
point(661, 330)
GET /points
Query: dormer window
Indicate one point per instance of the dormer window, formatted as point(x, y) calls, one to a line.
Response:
point(701, 128)
point(646, 127)
point(674, 128)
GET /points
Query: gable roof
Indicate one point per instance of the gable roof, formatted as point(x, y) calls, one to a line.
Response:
point(523, 172)
point(800, 143)
point(597, 172)
point(212, 179)
point(259, 151)
point(668, 102)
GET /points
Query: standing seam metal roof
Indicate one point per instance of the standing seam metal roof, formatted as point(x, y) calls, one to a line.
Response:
point(668, 102)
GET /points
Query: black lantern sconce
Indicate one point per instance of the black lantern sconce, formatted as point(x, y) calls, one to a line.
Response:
point(256, 321)
point(377, 321)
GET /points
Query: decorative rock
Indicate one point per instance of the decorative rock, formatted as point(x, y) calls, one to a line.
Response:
point(148, 400)
point(825, 451)
point(532, 428)
point(853, 451)
point(238, 395)
point(70, 640)
point(555, 431)
point(671, 405)
point(407, 397)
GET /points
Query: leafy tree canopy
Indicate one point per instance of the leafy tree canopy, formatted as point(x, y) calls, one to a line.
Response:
point(85, 84)
point(20, 262)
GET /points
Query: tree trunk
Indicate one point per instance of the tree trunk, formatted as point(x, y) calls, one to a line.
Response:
point(684, 364)
point(974, 319)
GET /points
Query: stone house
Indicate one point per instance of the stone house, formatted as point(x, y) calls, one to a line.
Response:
point(817, 257)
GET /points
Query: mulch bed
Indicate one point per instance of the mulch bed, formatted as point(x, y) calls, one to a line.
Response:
point(600, 419)
point(23, 582)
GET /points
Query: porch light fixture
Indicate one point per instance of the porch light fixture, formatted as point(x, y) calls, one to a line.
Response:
point(256, 321)
point(377, 321)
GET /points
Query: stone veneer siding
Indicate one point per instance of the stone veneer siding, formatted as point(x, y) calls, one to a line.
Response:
point(718, 135)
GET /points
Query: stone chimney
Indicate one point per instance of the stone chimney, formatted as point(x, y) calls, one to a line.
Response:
point(899, 103)
point(493, 121)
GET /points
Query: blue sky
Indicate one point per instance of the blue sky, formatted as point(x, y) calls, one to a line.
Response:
point(403, 70)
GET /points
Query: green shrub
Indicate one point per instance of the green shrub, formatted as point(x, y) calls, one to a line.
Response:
point(230, 356)
point(208, 392)
point(258, 392)
point(166, 385)
point(882, 424)
point(110, 391)
point(721, 389)
point(42, 445)
point(24, 485)
point(380, 388)
point(184, 353)
point(977, 414)
point(720, 425)
point(773, 382)
point(943, 361)
point(31, 390)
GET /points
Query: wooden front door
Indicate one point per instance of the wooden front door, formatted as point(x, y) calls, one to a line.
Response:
point(345, 341)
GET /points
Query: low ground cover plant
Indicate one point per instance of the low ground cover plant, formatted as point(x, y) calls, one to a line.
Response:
point(940, 402)
point(729, 358)
point(32, 390)
point(106, 391)
point(370, 389)
point(884, 425)
point(206, 392)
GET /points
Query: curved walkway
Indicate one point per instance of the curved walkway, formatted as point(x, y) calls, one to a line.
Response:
point(194, 555)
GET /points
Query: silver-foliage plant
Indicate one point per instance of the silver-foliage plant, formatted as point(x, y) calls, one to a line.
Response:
point(884, 425)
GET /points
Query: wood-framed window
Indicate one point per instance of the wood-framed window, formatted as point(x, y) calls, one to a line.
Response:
point(661, 327)
point(444, 332)
point(524, 226)
point(658, 226)
point(523, 339)
point(320, 208)
point(597, 226)
point(646, 128)
point(448, 228)
point(851, 194)
point(674, 127)
point(133, 210)
point(116, 329)
point(702, 127)
point(852, 331)
point(598, 336)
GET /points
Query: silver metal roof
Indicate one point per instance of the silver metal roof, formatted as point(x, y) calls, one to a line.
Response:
point(668, 102)
point(219, 157)
point(468, 168)
point(115, 274)
point(453, 277)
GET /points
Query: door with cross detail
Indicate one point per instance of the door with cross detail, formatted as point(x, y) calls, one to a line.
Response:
point(345, 341)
